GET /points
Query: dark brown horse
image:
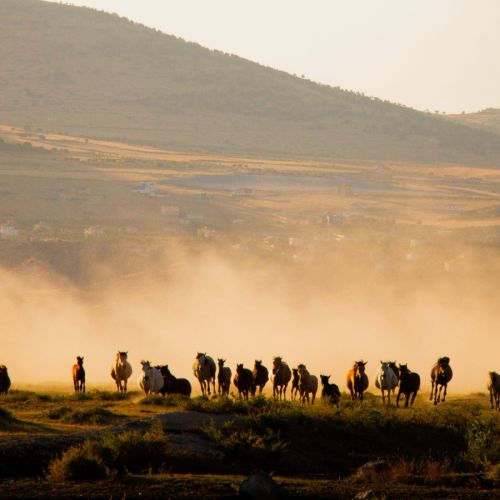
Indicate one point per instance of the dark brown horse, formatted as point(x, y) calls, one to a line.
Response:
point(494, 388)
point(79, 375)
point(441, 374)
point(409, 384)
point(295, 382)
point(357, 380)
point(281, 377)
point(260, 375)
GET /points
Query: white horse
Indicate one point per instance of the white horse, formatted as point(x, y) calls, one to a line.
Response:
point(151, 381)
point(204, 371)
point(386, 380)
point(121, 371)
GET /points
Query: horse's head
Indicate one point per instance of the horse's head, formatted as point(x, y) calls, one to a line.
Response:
point(122, 356)
point(325, 379)
point(295, 372)
point(444, 362)
point(239, 367)
point(403, 369)
point(79, 360)
point(277, 361)
point(359, 366)
point(258, 363)
point(220, 362)
point(393, 365)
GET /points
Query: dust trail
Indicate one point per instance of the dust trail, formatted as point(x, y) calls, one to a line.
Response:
point(325, 314)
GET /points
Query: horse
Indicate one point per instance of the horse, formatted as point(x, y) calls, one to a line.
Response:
point(4, 380)
point(260, 375)
point(494, 388)
point(204, 371)
point(409, 384)
point(308, 384)
point(396, 371)
point(244, 382)
point(386, 380)
point(79, 375)
point(121, 370)
point(223, 377)
point(281, 377)
point(295, 383)
point(172, 384)
point(441, 374)
point(356, 380)
point(151, 380)
point(330, 392)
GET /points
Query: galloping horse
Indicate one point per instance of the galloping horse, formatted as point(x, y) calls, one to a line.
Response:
point(409, 384)
point(441, 374)
point(356, 380)
point(151, 381)
point(79, 375)
point(281, 376)
point(121, 371)
point(308, 384)
point(204, 371)
point(494, 388)
point(386, 380)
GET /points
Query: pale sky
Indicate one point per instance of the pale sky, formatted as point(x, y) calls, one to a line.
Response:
point(429, 54)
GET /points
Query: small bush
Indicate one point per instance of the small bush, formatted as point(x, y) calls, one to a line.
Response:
point(89, 416)
point(58, 413)
point(132, 451)
point(79, 463)
point(170, 401)
point(480, 442)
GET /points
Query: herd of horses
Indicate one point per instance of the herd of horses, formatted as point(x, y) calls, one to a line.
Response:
point(304, 386)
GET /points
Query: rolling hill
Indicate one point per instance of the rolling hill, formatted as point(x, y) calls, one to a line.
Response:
point(80, 71)
point(487, 119)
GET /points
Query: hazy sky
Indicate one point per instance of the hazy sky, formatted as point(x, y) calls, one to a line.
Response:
point(429, 54)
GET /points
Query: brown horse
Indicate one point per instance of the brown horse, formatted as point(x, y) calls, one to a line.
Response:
point(441, 374)
point(357, 380)
point(494, 388)
point(281, 377)
point(79, 375)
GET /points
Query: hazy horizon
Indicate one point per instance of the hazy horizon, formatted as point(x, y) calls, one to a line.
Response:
point(427, 55)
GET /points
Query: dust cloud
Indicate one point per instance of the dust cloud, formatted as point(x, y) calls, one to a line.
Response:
point(325, 313)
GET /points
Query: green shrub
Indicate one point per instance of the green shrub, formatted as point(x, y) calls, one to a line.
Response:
point(131, 451)
point(170, 401)
point(79, 463)
point(90, 416)
point(58, 413)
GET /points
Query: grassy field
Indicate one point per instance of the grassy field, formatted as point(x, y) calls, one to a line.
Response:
point(106, 444)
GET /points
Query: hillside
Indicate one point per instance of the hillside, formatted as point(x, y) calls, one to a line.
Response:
point(80, 71)
point(487, 119)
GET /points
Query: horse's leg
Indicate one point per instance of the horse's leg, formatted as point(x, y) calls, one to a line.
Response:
point(397, 399)
point(383, 395)
point(444, 394)
point(284, 391)
point(432, 391)
point(439, 394)
point(413, 396)
point(389, 397)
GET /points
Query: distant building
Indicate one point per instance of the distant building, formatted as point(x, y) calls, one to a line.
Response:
point(92, 231)
point(243, 192)
point(146, 187)
point(170, 210)
point(7, 230)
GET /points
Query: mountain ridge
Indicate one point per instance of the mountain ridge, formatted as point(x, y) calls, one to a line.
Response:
point(82, 71)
